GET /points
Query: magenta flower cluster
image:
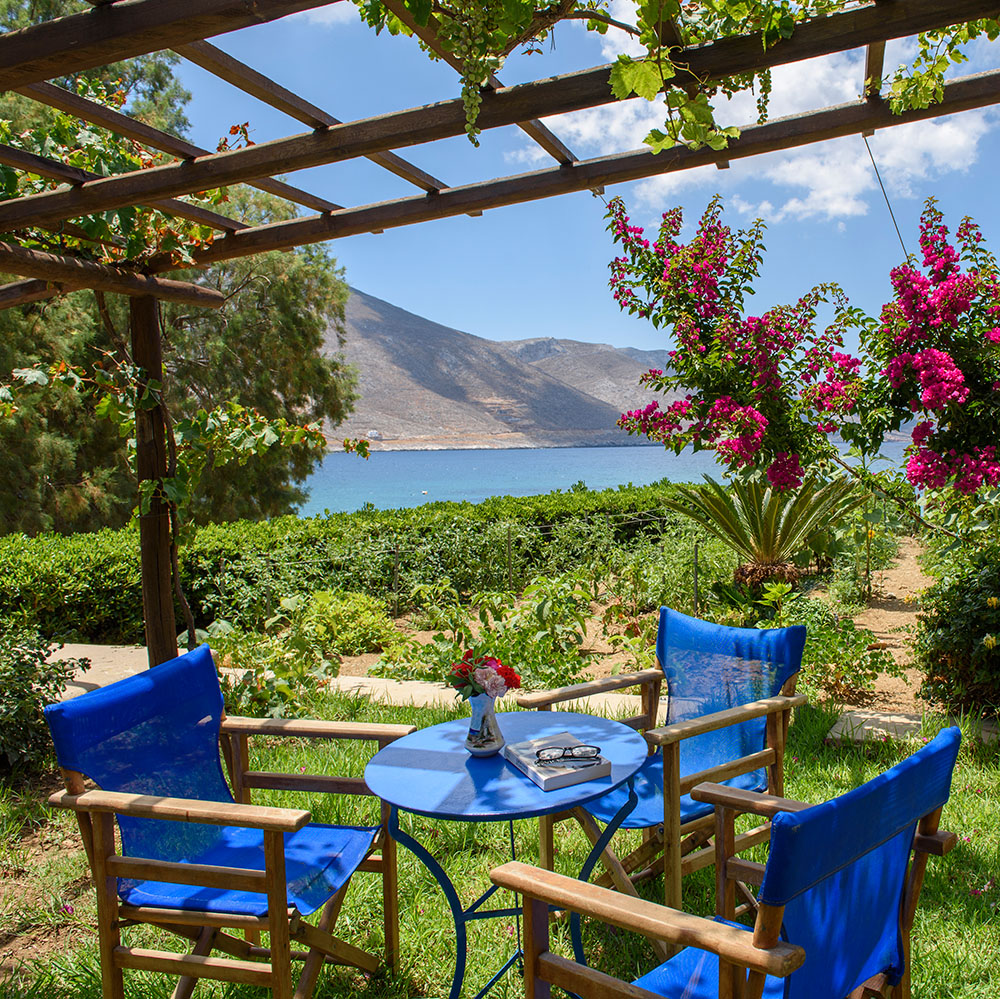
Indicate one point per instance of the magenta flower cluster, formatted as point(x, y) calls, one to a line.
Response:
point(938, 343)
point(941, 382)
point(742, 373)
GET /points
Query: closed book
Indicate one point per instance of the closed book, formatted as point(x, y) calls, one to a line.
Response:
point(524, 756)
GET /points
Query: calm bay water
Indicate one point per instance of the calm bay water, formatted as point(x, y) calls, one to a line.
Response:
point(391, 479)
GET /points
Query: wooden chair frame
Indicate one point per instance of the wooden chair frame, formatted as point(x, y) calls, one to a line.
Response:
point(317, 944)
point(747, 956)
point(681, 848)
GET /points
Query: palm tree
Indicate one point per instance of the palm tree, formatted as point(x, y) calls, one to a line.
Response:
point(766, 527)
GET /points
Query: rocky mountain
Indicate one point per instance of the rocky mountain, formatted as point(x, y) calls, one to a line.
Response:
point(605, 372)
point(423, 385)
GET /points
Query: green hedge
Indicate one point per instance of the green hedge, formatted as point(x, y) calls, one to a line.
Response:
point(958, 632)
point(87, 586)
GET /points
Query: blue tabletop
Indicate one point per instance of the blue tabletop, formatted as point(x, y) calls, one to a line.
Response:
point(429, 771)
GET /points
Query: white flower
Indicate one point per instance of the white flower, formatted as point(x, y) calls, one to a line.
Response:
point(491, 681)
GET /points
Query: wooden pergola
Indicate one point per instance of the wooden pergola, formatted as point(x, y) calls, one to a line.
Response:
point(118, 29)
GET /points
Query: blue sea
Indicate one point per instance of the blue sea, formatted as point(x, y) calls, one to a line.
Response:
point(392, 479)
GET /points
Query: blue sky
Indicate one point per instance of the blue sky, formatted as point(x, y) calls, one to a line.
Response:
point(540, 269)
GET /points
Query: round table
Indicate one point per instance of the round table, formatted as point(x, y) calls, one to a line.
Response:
point(429, 772)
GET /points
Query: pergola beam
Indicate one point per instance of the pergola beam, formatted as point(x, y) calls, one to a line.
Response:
point(428, 34)
point(51, 169)
point(25, 292)
point(784, 133)
point(115, 31)
point(247, 79)
point(77, 273)
point(508, 106)
point(138, 131)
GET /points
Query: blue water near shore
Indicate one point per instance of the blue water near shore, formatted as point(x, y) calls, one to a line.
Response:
point(392, 479)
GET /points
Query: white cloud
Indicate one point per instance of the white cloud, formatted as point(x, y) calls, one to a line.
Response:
point(338, 12)
point(832, 180)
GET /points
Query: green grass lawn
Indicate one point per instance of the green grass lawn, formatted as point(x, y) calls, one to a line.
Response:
point(47, 910)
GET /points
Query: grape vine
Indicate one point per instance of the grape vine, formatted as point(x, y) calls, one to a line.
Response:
point(479, 34)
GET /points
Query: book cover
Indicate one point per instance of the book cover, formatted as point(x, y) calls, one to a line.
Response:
point(523, 756)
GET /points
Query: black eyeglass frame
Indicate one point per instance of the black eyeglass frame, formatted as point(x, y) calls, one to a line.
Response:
point(568, 755)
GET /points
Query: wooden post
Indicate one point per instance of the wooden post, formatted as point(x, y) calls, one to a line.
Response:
point(151, 464)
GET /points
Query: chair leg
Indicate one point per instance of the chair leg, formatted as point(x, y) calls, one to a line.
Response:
point(203, 947)
point(546, 842)
point(390, 894)
point(536, 942)
point(315, 958)
point(108, 931)
point(277, 914)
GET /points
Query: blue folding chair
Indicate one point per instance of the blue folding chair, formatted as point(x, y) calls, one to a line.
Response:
point(730, 697)
point(194, 859)
point(835, 907)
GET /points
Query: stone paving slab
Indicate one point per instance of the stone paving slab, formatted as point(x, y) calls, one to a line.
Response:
point(107, 664)
point(860, 725)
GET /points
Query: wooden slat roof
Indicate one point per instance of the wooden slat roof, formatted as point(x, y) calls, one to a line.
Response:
point(126, 28)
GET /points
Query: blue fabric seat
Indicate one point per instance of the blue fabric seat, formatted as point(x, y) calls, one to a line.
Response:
point(649, 789)
point(156, 735)
point(319, 859)
point(709, 668)
point(694, 974)
point(837, 896)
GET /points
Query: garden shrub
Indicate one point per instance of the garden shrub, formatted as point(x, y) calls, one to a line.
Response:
point(87, 586)
point(275, 672)
point(838, 657)
point(958, 633)
point(28, 681)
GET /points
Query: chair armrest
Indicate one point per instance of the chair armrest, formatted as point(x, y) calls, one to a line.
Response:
point(546, 697)
point(938, 843)
point(215, 813)
point(754, 802)
point(314, 728)
point(648, 918)
point(667, 734)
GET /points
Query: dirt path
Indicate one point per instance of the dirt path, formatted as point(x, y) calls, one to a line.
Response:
point(892, 618)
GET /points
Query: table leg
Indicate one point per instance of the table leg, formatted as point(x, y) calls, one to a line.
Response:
point(458, 913)
point(588, 866)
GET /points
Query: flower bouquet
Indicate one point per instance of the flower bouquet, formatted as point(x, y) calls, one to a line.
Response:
point(481, 680)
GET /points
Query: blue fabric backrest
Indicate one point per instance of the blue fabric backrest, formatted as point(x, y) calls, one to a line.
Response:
point(839, 869)
point(153, 733)
point(711, 667)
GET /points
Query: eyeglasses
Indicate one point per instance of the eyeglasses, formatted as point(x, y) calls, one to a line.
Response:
point(568, 755)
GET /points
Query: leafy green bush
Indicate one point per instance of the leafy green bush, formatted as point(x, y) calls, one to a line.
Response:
point(28, 681)
point(958, 633)
point(87, 586)
point(276, 672)
point(838, 657)
point(328, 624)
point(539, 636)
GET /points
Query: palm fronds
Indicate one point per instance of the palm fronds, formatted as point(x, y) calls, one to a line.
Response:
point(765, 526)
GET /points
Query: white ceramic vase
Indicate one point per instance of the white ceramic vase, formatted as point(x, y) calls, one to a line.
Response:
point(485, 737)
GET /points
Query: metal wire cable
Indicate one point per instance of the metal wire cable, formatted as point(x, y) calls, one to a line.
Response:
point(888, 205)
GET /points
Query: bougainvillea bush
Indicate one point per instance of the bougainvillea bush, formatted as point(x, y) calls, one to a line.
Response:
point(765, 392)
point(935, 355)
point(761, 391)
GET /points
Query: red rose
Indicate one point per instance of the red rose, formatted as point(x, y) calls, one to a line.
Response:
point(510, 678)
